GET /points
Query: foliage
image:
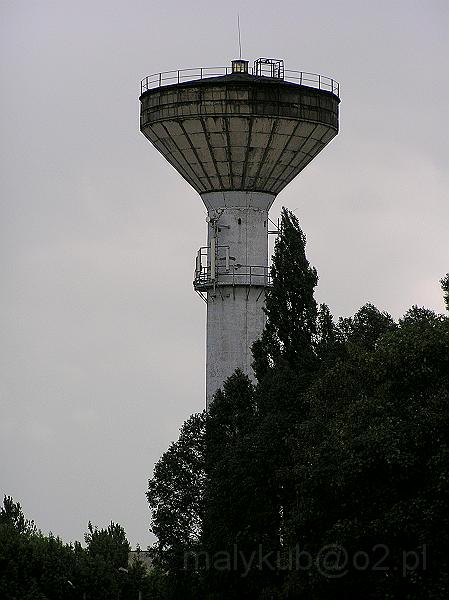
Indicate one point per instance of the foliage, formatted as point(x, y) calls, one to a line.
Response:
point(371, 465)
point(110, 544)
point(175, 496)
point(289, 305)
point(339, 452)
point(445, 287)
point(38, 567)
point(238, 499)
point(176, 489)
point(12, 517)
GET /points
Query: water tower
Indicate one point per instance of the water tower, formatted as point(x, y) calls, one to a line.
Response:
point(238, 135)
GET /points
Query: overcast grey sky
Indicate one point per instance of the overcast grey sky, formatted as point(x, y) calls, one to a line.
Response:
point(102, 335)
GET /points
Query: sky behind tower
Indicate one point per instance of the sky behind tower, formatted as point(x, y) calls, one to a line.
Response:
point(102, 336)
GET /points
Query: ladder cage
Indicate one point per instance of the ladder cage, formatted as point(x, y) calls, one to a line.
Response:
point(269, 67)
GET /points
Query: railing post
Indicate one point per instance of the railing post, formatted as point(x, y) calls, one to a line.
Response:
point(300, 78)
point(160, 79)
point(178, 75)
point(201, 73)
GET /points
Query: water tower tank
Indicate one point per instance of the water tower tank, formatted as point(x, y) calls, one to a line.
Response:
point(238, 135)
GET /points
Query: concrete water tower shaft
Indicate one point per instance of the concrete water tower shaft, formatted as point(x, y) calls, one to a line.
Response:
point(238, 135)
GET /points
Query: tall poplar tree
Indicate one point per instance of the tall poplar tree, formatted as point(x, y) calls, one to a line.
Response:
point(290, 307)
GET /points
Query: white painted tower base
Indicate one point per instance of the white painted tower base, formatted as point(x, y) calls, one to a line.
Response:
point(234, 277)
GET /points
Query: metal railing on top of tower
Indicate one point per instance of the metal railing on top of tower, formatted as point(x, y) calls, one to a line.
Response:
point(313, 80)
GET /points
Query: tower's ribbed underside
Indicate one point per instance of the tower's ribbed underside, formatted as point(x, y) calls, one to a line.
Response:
point(239, 132)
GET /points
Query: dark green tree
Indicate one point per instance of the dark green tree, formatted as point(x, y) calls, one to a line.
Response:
point(107, 556)
point(34, 566)
point(175, 497)
point(371, 465)
point(363, 330)
point(296, 339)
point(290, 306)
point(329, 342)
point(110, 544)
point(445, 287)
point(11, 516)
point(31, 565)
point(238, 500)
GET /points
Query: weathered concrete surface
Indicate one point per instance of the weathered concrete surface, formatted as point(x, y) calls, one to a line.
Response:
point(235, 317)
point(239, 132)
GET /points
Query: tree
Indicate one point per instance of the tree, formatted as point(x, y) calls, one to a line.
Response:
point(34, 566)
point(107, 551)
point(371, 471)
point(175, 497)
point(296, 339)
point(238, 499)
point(290, 307)
point(110, 544)
point(364, 329)
point(329, 340)
point(11, 515)
point(445, 287)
